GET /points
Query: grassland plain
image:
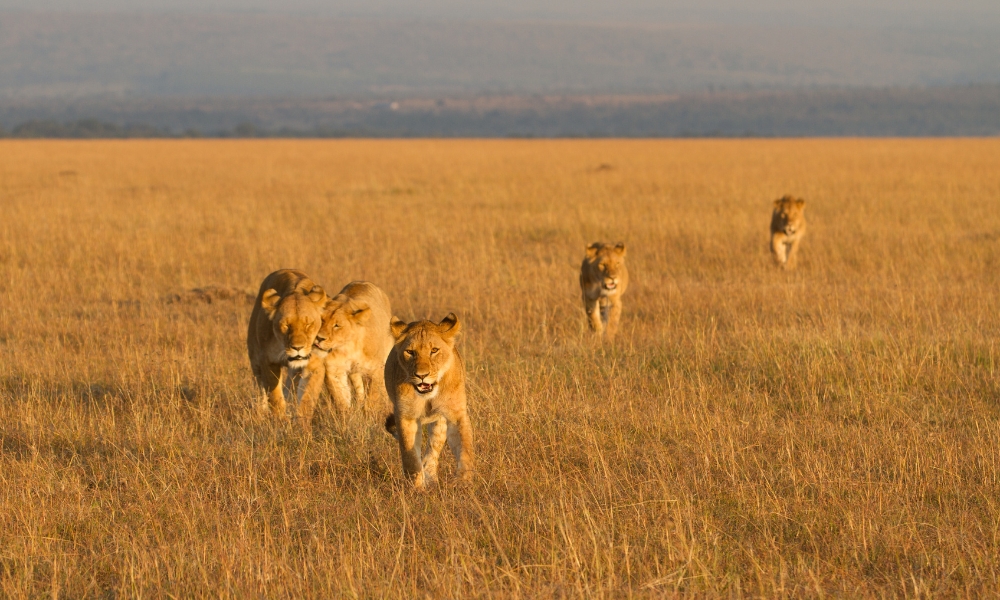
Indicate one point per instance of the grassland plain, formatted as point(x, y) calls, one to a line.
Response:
point(832, 430)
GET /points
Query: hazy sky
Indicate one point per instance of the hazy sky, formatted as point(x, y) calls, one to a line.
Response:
point(307, 47)
point(859, 13)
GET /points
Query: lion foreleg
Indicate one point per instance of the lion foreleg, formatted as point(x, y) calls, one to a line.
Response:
point(593, 308)
point(460, 441)
point(437, 433)
point(409, 449)
point(309, 390)
point(276, 395)
point(358, 383)
point(338, 384)
point(614, 315)
point(268, 377)
point(778, 249)
point(793, 249)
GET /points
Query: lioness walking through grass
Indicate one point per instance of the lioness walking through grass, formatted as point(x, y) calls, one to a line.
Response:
point(283, 325)
point(425, 379)
point(351, 347)
point(788, 225)
point(603, 280)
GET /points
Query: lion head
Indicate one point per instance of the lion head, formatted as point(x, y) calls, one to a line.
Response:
point(606, 264)
point(425, 350)
point(343, 317)
point(788, 215)
point(296, 319)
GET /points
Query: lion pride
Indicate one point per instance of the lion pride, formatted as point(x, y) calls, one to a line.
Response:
point(425, 378)
point(788, 225)
point(603, 280)
point(286, 317)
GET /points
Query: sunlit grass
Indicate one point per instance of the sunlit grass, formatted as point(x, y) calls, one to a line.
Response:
point(750, 432)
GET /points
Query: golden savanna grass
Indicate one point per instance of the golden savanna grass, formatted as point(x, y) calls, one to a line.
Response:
point(751, 432)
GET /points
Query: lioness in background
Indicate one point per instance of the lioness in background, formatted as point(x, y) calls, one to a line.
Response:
point(788, 225)
point(353, 343)
point(603, 280)
point(425, 378)
point(283, 325)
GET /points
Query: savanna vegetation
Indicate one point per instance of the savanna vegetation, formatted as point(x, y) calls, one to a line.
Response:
point(750, 432)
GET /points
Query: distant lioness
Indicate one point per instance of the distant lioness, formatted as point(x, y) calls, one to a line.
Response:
point(603, 279)
point(425, 378)
point(283, 325)
point(352, 345)
point(788, 225)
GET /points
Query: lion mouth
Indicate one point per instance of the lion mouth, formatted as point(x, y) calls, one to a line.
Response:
point(292, 360)
point(610, 286)
point(423, 388)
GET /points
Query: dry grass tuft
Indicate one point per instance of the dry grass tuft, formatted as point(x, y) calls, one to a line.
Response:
point(833, 430)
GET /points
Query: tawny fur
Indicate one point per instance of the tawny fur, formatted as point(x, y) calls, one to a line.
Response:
point(425, 379)
point(350, 349)
point(283, 324)
point(603, 280)
point(788, 225)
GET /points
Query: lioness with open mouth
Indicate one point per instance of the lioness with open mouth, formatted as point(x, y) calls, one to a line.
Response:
point(425, 379)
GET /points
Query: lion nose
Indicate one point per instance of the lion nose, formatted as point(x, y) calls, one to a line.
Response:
point(422, 375)
point(320, 338)
point(298, 348)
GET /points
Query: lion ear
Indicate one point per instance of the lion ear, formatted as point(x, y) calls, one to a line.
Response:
point(317, 295)
point(449, 326)
point(800, 203)
point(328, 309)
point(777, 203)
point(397, 326)
point(593, 249)
point(620, 249)
point(269, 302)
point(360, 311)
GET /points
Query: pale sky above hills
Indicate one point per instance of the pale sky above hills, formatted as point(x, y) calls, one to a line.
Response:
point(855, 13)
point(427, 47)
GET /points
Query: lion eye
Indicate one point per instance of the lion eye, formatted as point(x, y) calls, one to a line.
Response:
point(408, 353)
point(434, 350)
point(336, 325)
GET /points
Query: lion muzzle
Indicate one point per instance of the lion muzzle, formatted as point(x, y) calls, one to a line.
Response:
point(424, 387)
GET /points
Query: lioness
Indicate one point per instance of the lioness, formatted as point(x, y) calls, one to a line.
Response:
point(352, 345)
point(425, 378)
point(603, 279)
point(788, 225)
point(283, 325)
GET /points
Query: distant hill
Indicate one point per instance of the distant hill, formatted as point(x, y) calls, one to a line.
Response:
point(944, 111)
